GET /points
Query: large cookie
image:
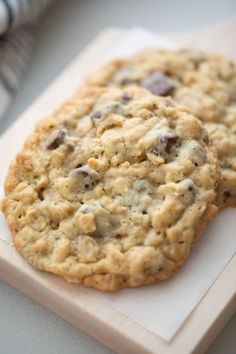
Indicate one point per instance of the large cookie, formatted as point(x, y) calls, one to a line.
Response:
point(113, 189)
point(205, 83)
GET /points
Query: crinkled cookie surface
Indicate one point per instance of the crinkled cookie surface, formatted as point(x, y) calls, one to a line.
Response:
point(113, 189)
point(203, 82)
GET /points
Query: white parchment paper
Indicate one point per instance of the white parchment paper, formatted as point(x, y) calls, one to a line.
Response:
point(164, 307)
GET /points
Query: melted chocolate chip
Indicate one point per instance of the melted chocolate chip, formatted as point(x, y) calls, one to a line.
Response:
point(164, 145)
point(169, 141)
point(82, 172)
point(57, 141)
point(87, 178)
point(158, 83)
point(96, 114)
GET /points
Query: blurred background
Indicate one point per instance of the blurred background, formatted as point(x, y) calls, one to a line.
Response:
point(64, 30)
point(69, 25)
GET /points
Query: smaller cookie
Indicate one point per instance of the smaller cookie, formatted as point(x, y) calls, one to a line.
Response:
point(113, 190)
point(203, 82)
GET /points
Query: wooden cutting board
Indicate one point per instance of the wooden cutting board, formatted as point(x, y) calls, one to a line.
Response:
point(86, 311)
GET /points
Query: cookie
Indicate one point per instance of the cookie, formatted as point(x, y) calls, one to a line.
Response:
point(205, 83)
point(224, 141)
point(113, 189)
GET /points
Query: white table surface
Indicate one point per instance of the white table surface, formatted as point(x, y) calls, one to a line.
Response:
point(26, 327)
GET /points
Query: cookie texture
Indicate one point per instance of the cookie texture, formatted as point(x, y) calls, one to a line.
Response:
point(203, 82)
point(113, 189)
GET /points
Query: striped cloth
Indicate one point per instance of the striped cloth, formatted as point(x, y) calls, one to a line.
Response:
point(17, 22)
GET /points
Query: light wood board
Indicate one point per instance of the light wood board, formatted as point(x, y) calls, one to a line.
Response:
point(86, 311)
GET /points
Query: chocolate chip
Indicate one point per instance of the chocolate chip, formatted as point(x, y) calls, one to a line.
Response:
point(158, 83)
point(169, 141)
point(96, 114)
point(113, 107)
point(82, 172)
point(57, 141)
point(86, 178)
point(126, 96)
point(164, 145)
